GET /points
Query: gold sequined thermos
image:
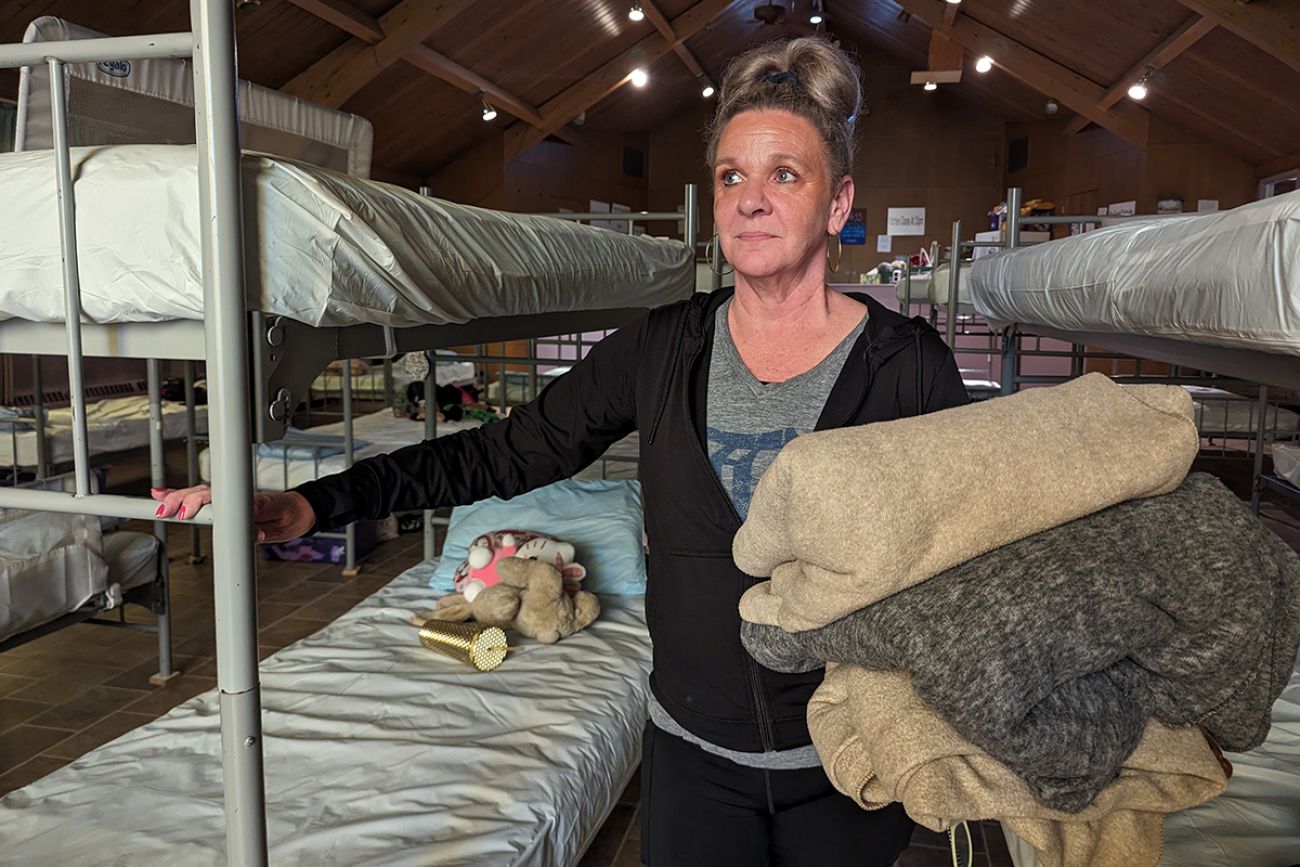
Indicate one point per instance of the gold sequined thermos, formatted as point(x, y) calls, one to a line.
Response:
point(483, 647)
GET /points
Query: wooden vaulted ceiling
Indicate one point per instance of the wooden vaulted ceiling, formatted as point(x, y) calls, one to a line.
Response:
point(1226, 69)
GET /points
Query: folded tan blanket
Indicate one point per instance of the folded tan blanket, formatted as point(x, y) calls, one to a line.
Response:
point(844, 518)
point(881, 744)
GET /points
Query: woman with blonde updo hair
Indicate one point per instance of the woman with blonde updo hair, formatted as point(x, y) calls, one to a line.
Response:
point(716, 385)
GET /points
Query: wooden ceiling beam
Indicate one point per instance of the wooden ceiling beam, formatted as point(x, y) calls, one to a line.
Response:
point(1047, 76)
point(441, 66)
point(661, 24)
point(345, 17)
point(1279, 165)
point(337, 76)
point(907, 54)
point(603, 81)
point(369, 30)
point(1179, 41)
point(1273, 27)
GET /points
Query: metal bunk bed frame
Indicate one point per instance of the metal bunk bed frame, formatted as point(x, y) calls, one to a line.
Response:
point(688, 216)
point(1231, 363)
point(284, 355)
point(156, 596)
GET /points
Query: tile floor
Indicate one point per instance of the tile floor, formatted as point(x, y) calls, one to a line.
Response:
point(68, 693)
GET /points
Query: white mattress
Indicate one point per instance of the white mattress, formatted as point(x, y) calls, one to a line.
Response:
point(1230, 279)
point(132, 558)
point(71, 566)
point(375, 433)
point(377, 752)
point(114, 424)
point(321, 247)
point(933, 288)
point(1255, 823)
point(1286, 462)
point(379, 433)
point(1219, 411)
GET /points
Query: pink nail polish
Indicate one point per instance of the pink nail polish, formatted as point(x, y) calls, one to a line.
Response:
point(181, 513)
point(158, 514)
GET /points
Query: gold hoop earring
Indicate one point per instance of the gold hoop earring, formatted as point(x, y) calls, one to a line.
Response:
point(709, 249)
point(839, 254)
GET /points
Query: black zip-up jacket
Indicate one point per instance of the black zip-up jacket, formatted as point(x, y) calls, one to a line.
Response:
point(652, 376)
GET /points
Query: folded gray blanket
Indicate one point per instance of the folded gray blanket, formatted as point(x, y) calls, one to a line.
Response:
point(1051, 653)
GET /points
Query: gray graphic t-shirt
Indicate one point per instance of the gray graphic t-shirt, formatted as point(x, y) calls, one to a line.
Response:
point(749, 421)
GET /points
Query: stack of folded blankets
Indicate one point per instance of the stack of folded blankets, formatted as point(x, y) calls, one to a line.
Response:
point(1030, 611)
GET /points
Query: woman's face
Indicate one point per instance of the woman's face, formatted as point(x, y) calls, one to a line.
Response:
point(773, 199)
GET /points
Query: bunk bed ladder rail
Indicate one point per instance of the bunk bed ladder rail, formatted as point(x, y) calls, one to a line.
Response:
point(211, 47)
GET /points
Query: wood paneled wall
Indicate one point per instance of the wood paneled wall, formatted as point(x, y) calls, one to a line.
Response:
point(1083, 172)
point(476, 177)
point(916, 149)
point(553, 175)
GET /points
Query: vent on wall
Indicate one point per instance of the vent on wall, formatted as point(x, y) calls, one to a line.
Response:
point(1018, 154)
point(55, 397)
point(633, 162)
point(8, 117)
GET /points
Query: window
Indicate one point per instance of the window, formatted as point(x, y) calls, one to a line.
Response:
point(633, 162)
point(1286, 182)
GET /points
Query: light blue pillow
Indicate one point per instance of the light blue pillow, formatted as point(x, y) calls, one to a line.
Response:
point(600, 517)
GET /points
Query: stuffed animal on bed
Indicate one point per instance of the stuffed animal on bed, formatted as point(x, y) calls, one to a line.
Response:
point(479, 569)
point(529, 597)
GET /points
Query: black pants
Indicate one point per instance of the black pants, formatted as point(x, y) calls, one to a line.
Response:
point(700, 810)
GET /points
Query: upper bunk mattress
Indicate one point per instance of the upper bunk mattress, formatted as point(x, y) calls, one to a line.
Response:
point(1228, 279)
point(320, 247)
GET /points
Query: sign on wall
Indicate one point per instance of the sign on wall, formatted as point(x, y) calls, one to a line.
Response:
point(906, 221)
point(1123, 209)
point(883, 244)
point(855, 230)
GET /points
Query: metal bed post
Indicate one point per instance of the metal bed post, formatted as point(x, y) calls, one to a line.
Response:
point(1262, 424)
point(954, 270)
point(907, 287)
point(431, 432)
point(216, 120)
point(350, 532)
point(1010, 339)
point(505, 377)
point(71, 278)
point(1014, 196)
point(158, 479)
point(691, 217)
point(532, 368)
point(192, 455)
point(38, 405)
point(388, 382)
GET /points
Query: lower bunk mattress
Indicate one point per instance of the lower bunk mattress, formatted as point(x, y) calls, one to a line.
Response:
point(370, 384)
point(1255, 823)
point(318, 451)
point(70, 573)
point(377, 751)
point(114, 424)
